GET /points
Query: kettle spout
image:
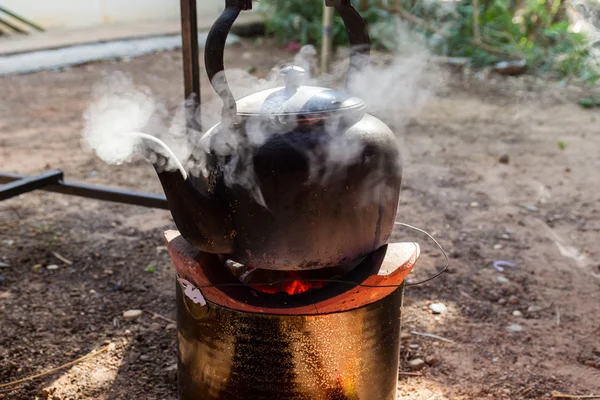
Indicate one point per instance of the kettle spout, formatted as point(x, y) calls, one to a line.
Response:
point(198, 215)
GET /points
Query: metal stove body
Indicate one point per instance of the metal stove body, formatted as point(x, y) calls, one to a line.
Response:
point(340, 341)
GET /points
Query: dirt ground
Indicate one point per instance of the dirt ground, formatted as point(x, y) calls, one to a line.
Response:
point(484, 172)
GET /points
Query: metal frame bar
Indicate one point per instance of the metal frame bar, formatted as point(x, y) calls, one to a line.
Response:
point(28, 184)
point(15, 28)
point(23, 20)
point(53, 182)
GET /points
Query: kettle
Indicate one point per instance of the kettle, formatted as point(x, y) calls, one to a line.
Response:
point(293, 178)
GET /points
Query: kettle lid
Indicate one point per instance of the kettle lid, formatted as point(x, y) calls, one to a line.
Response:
point(296, 99)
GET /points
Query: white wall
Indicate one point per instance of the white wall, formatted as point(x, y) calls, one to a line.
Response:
point(76, 13)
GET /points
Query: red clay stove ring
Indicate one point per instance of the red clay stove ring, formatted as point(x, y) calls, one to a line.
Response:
point(204, 272)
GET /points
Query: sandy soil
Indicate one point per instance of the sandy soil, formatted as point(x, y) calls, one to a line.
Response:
point(483, 172)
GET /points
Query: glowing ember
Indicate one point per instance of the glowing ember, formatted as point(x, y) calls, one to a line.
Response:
point(292, 287)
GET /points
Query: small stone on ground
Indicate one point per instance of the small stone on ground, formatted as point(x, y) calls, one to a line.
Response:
point(52, 267)
point(504, 159)
point(515, 328)
point(438, 308)
point(131, 314)
point(533, 309)
point(416, 364)
point(431, 360)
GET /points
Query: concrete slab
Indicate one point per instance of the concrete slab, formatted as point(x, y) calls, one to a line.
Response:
point(104, 33)
point(34, 61)
point(58, 49)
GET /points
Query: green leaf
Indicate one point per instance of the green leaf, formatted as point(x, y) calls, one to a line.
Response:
point(150, 268)
point(562, 145)
point(587, 102)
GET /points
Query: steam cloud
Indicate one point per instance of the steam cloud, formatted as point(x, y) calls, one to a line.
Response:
point(119, 107)
point(394, 89)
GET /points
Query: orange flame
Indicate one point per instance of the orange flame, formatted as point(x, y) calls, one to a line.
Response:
point(292, 287)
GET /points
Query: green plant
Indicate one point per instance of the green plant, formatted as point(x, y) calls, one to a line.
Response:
point(534, 30)
point(589, 102)
point(150, 268)
point(562, 145)
point(301, 21)
point(485, 31)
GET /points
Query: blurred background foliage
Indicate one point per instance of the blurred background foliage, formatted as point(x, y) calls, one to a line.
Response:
point(486, 32)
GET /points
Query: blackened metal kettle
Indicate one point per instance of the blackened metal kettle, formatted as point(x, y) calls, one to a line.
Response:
point(292, 178)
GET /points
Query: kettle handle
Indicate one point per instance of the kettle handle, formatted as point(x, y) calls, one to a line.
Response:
point(215, 47)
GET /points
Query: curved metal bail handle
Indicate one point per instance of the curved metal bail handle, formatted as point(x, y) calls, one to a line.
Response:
point(358, 34)
point(214, 53)
point(440, 272)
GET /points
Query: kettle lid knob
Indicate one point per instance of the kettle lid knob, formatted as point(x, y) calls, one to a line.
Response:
point(293, 76)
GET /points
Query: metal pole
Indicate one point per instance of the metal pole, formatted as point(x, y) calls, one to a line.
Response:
point(326, 43)
point(191, 60)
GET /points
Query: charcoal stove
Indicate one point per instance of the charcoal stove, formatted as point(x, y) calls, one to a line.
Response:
point(338, 339)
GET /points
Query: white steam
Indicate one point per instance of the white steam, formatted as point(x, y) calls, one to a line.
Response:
point(394, 88)
point(397, 88)
point(118, 107)
point(113, 121)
